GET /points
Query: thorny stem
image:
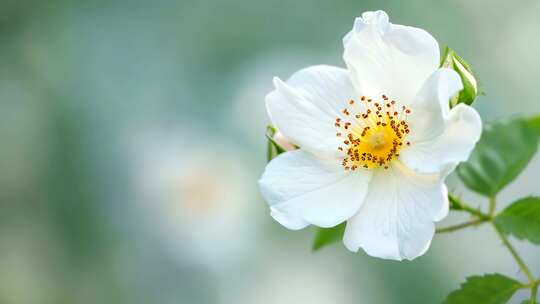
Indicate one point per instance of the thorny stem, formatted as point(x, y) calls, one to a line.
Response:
point(514, 253)
point(460, 226)
point(490, 217)
point(459, 205)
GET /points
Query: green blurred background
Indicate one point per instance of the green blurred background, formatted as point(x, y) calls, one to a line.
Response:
point(131, 137)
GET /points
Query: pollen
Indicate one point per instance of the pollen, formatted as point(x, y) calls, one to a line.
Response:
point(372, 132)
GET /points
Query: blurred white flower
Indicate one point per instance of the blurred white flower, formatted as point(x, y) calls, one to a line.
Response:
point(196, 194)
point(293, 280)
point(252, 86)
point(376, 141)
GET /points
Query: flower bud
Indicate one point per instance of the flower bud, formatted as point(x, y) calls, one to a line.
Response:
point(283, 141)
point(452, 60)
point(277, 143)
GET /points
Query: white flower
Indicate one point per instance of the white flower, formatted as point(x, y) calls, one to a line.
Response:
point(192, 196)
point(376, 141)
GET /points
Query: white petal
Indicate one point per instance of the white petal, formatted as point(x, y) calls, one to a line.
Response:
point(391, 59)
point(396, 220)
point(303, 189)
point(431, 105)
point(445, 207)
point(461, 132)
point(305, 108)
point(291, 222)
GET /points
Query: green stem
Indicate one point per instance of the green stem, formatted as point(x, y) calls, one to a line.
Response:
point(533, 284)
point(492, 206)
point(460, 226)
point(534, 289)
point(481, 217)
point(459, 205)
point(514, 253)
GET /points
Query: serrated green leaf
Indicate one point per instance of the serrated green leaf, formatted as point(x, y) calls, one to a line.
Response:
point(326, 236)
point(487, 289)
point(522, 219)
point(273, 148)
point(504, 150)
point(452, 60)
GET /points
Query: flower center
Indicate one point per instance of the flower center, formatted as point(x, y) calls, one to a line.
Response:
point(372, 133)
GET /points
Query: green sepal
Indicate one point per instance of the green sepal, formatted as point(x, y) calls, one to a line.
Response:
point(455, 203)
point(273, 148)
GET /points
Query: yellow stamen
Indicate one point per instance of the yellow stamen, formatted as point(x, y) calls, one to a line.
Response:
point(374, 136)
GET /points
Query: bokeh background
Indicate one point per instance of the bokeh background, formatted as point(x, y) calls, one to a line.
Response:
point(132, 137)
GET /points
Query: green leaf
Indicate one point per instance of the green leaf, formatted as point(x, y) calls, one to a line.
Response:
point(452, 60)
point(504, 150)
point(326, 236)
point(534, 124)
point(522, 219)
point(487, 289)
point(273, 148)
